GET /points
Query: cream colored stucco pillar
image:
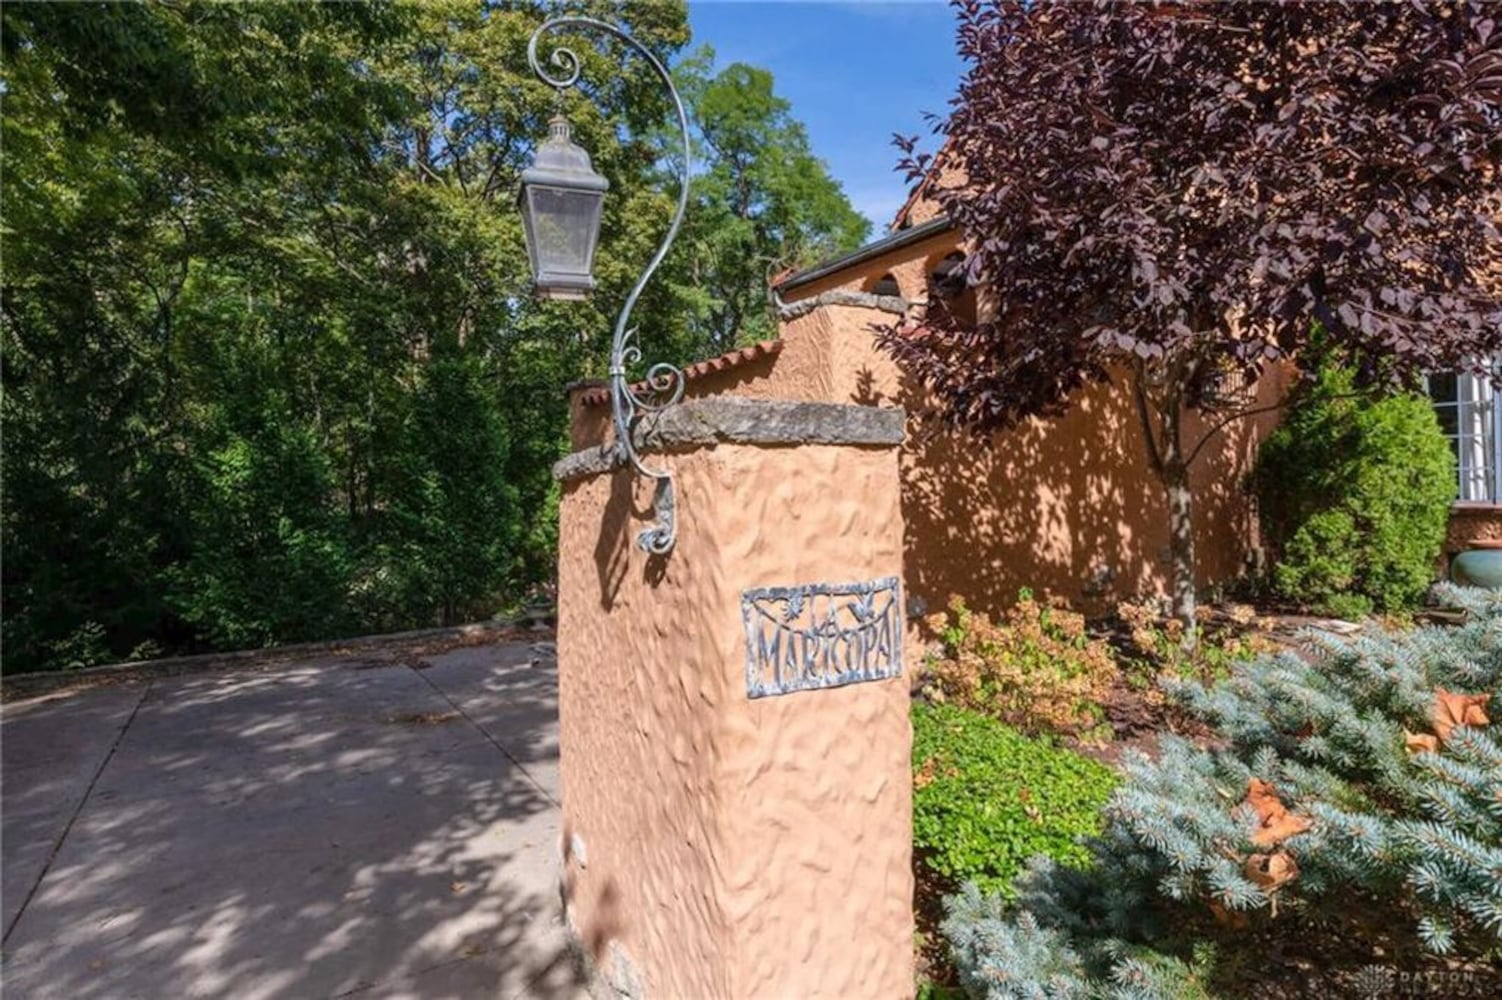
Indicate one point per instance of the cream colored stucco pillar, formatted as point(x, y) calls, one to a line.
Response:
point(734, 716)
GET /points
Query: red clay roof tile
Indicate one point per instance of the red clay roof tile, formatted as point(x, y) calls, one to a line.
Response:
point(730, 359)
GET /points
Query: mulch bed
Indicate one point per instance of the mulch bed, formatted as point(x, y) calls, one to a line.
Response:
point(1138, 718)
point(1360, 947)
point(930, 889)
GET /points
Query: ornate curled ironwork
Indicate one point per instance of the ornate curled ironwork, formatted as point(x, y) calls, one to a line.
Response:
point(821, 635)
point(664, 383)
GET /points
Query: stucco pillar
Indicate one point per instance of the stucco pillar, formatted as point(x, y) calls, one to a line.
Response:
point(736, 793)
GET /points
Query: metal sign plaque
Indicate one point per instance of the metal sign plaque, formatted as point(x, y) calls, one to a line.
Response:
point(821, 635)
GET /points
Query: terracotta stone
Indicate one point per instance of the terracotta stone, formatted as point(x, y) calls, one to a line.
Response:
point(1472, 522)
point(717, 846)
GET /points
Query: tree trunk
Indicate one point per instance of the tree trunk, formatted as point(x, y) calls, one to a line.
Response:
point(1181, 545)
point(1162, 431)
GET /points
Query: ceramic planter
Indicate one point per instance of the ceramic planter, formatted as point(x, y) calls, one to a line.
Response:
point(1479, 566)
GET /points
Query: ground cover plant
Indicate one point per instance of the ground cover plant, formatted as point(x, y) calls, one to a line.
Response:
point(1351, 797)
point(987, 798)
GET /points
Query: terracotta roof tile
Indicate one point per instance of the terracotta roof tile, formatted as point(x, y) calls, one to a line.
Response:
point(600, 395)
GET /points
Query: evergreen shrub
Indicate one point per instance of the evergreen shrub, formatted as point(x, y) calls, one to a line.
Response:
point(1358, 782)
point(986, 798)
point(269, 555)
point(1355, 493)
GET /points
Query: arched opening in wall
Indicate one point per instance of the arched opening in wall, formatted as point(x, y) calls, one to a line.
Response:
point(948, 286)
point(884, 285)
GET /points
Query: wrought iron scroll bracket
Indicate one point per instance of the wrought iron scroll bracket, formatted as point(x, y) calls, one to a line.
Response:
point(664, 383)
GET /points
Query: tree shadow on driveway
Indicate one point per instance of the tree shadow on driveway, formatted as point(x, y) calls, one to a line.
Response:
point(319, 829)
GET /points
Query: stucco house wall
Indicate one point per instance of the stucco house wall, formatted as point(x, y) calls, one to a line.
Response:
point(1067, 507)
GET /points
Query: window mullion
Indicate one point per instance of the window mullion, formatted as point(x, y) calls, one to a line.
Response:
point(1494, 481)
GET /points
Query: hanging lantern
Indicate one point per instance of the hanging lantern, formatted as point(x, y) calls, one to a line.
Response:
point(560, 201)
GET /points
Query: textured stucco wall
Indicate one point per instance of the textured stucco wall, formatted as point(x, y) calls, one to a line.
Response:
point(800, 371)
point(922, 205)
point(588, 425)
point(732, 848)
point(1069, 507)
point(1065, 506)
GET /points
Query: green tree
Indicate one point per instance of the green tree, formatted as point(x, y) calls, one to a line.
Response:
point(134, 138)
point(272, 368)
point(453, 511)
point(763, 202)
point(268, 556)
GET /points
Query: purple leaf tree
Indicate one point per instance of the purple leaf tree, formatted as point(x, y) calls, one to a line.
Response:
point(1176, 195)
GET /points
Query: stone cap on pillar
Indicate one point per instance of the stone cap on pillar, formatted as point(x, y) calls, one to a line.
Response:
point(700, 423)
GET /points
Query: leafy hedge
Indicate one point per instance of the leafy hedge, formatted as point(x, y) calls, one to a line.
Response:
point(987, 798)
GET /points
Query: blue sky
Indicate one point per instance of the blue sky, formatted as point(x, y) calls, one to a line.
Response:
point(854, 71)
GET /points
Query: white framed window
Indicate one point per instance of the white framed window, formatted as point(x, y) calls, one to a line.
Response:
point(1466, 406)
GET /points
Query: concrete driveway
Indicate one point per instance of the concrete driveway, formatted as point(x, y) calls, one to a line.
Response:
point(372, 824)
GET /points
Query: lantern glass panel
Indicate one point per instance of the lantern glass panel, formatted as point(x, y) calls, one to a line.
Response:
point(564, 227)
point(560, 201)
